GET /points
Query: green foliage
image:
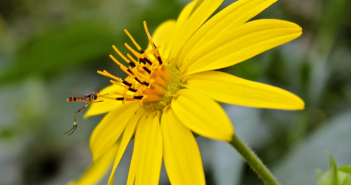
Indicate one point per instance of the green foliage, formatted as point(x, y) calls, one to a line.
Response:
point(336, 176)
point(60, 49)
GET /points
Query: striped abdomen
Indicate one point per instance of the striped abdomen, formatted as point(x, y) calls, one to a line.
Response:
point(72, 99)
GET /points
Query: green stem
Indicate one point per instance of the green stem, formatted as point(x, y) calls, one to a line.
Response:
point(255, 163)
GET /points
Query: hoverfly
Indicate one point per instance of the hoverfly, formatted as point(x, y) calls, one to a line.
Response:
point(89, 99)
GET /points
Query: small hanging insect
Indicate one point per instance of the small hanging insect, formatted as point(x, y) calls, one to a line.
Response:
point(89, 99)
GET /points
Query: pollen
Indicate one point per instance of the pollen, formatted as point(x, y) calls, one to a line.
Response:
point(152, 80)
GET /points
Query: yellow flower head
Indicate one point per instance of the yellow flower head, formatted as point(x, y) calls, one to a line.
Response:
point(172, 90)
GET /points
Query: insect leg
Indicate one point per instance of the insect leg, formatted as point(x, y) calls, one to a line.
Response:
point(75, 121)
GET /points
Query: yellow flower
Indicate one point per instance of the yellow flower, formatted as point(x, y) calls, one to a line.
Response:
point(172, 90)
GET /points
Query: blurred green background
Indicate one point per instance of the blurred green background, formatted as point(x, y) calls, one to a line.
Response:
point(51, 50)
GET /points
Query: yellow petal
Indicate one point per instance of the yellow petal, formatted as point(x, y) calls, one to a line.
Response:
point(110, 128)
point(183, 16)
point(227, 88)
point(162, 35)
point(202, 115)
point(181, 154)
point(198, 3)
point(241, 43)
point(200, 15)
point(136, 152)
point(107, 105)
point(127, 135)
point(150, 154)
point(98, 169)
point(232, 16)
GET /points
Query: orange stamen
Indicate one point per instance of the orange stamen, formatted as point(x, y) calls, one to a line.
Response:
point(105, 73)
point(120, 54)
point(132, 50)
point(151, 97)
point(132, 59)
point(148, 77)
point(131, 38)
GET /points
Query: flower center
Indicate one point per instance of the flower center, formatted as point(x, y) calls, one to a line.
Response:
point(152, 80)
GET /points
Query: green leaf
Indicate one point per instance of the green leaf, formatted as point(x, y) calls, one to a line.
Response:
point(334, 170)
point(60, 49)
point(319, 174)
point(346, 169)
point(335, 176)
point(346, 181)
